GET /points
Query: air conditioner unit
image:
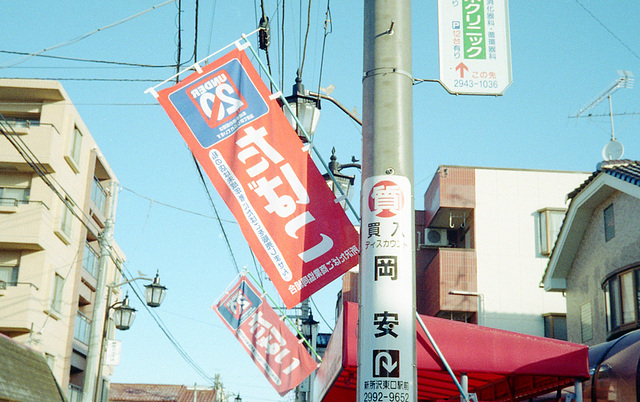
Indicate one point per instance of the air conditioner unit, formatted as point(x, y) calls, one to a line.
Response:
point(435, 238)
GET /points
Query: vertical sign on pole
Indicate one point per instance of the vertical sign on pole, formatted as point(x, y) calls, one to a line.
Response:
point(475, 50)
point(388, 318)
point(387, 324)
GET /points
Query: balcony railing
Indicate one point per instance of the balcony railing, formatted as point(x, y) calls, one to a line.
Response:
point(82, 328)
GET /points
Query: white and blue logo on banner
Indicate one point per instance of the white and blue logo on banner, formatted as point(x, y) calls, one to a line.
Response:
point(239, 305)
point(220, 102)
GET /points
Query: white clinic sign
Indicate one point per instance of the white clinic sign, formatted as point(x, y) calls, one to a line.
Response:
point(475, 49)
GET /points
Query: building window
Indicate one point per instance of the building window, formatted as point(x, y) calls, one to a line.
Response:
point(13, 196)
point(9, 275)
point(9, 267)
point(609, 223)
point(74, 393)
point(90, 261)
point(104, 394)
point(555, 326)
point(82, 328)
point(550, 222)
point(622, 301)
point(586, 322)
point(98, 195)
point(56, 295)
point(76, 145)
point(627, 298)
point(65, 224)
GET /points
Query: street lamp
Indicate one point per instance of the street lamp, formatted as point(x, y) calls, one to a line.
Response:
point(305, 107)
point(123, 316)
point(342, 182)
point(154, 292)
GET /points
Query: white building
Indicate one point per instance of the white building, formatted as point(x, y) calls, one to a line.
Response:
point(485, 238)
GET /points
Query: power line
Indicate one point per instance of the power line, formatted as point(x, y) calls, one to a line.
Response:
point(119, 63)
point(215, 210)
point(306, 38)
point(608, 30)
point(84, 104)
point(92, 79)
point(72, 41)
point(163, 327)
point(178, 208)
point(32, 160)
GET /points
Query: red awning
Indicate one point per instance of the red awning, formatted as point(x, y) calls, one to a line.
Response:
point(500, 365)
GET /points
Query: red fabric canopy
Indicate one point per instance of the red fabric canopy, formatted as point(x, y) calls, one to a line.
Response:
point(500, 365)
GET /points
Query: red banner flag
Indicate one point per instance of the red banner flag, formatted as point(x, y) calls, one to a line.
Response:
point(240, 136)
point(270, 343)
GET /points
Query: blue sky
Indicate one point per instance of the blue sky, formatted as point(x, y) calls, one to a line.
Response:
point(564, 54)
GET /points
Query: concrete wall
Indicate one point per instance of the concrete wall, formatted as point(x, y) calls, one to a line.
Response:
point(596, 259)
point(510, 265)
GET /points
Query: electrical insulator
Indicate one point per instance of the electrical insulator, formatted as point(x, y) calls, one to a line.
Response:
point(264, 34)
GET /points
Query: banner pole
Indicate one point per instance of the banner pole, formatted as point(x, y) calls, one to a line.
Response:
point(285, 317)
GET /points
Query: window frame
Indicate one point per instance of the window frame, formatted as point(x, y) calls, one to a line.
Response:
point(586, 322)
point(14, 273)
point(13, 201)
point(98, 195)
point(57, 293)
point(609, 223)
point(75, 150)
point(551, 328)
point(546, 235)
point(622, 314)
point(90, 255)
point(76, 145)
point(66, 219)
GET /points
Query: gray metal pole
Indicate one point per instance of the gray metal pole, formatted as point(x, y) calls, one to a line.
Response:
point(578, 389)
point(387, 325)
point(91, 380)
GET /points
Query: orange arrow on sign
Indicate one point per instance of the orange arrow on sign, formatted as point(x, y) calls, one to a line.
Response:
point(462, 67)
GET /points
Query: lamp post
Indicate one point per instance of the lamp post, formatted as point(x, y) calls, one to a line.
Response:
point(309, 329)
point(305, 107)
point(342, 182)
point(123, 316)
point(100, 307)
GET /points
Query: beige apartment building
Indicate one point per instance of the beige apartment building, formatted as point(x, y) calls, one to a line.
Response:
point(53, 200)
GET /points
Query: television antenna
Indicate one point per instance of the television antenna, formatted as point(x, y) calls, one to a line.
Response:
point(614, 149)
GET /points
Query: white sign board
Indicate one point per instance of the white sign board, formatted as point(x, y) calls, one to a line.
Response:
point(387, 322)
point(475, 50)
point(112, 357)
